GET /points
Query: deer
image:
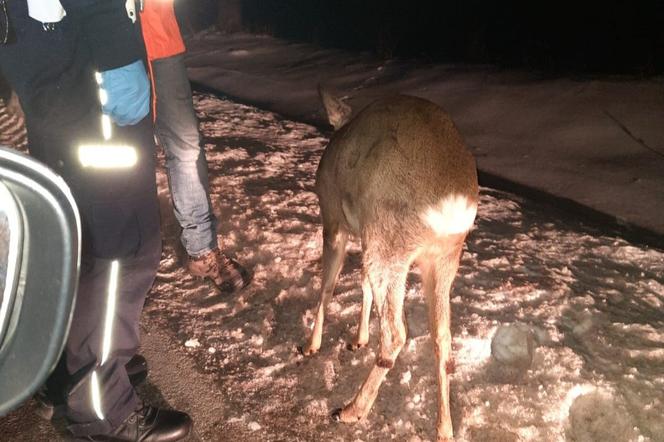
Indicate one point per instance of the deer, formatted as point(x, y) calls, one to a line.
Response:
point(398, 176)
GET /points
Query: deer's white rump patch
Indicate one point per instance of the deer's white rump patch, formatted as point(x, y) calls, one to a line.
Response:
point(454, 214)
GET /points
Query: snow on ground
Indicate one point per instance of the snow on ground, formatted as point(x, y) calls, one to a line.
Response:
point(592, 303)
point(12, 127)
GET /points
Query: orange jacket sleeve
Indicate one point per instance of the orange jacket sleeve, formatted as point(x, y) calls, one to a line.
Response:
point(161, 32)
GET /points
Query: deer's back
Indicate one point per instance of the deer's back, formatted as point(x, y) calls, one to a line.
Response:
point(402, 155)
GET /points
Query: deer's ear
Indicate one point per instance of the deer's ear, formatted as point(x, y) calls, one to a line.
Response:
point(338, 112)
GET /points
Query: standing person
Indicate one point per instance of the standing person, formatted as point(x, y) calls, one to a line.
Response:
point(176, 128)
point(49, 54)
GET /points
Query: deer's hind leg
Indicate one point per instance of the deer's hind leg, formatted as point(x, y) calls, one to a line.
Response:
point(362, 338)
point(388, 281)
point(334, 252)
point(438, 273)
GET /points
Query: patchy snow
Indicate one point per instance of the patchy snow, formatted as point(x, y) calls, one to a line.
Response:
point(12, 127)
point(592, 303)
point(596, 141)
point(192, 343)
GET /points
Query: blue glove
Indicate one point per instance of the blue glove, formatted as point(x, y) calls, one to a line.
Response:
point(128, 92)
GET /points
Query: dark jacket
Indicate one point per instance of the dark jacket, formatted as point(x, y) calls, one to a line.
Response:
point(53, 74)
point(108, 32)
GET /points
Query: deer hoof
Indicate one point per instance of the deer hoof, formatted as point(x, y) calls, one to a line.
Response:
point(346, 415)
point(308, 351)
point(352, 346)
point(444, 435)
point(384, 363)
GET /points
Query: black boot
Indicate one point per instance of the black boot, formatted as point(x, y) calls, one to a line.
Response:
point(51, 398)
point(149, 424)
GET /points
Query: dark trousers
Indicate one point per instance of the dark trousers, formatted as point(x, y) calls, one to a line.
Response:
point(53, 76)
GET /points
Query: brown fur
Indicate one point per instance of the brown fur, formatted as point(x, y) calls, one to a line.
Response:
point(380, 173)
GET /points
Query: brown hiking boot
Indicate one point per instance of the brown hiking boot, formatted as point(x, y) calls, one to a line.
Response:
point(224, 272)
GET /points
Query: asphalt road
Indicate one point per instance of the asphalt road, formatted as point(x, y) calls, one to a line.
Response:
point(174, 382)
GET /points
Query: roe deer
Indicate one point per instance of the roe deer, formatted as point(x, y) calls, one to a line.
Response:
point(399, 176)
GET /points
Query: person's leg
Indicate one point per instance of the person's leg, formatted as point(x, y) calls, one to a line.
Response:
point(105, 336)
point(120, 262)
point(122, 256)
point(176, 127)
point(5, 90)
point(104, 382)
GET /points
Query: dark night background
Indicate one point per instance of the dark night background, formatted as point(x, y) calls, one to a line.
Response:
point(616, 37)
